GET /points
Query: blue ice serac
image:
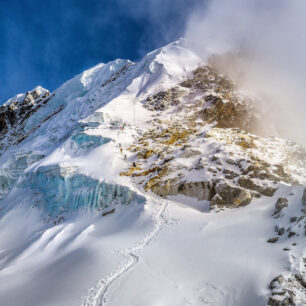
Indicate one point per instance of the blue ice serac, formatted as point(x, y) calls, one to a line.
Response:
point(63, 189)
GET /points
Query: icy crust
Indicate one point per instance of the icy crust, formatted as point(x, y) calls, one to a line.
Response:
point(64, 190)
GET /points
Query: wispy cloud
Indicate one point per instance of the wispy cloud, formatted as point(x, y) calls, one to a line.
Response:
point(271, 36)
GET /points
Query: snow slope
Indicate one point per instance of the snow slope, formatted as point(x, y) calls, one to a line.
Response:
point(73, 231)
point(208, 259)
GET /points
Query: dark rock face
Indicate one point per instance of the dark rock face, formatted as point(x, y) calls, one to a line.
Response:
point(224, 107)
point(14, 115)
point(221, 194)
point(229, 174)
point(228, 114)
point(286, 301)
point(287, 290)
point(199, 190)
point(281, 231)
point(206, 78)
point(164, 99)
point(273, 240)
point(265, 171)
point(280, 204)
point(279, 299)
point(250, 184)
point(230, 196)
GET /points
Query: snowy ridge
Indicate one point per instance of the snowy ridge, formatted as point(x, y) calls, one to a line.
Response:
point(20, 97)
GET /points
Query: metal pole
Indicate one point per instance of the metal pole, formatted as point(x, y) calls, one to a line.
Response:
point(134, 110)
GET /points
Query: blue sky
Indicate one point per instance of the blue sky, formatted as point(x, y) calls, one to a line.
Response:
point(47, 42)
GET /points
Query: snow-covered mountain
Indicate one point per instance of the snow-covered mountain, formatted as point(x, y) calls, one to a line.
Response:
point(149, 183)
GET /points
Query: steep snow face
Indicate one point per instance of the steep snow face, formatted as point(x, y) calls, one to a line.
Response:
point(158, 70)
point(75, 100)
point(120, 82)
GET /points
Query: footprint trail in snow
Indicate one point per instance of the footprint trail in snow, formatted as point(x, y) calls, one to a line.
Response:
point(97, 294)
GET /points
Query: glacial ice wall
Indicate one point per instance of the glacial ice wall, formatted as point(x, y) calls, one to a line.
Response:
point(94, 120)
point(18, 162)
point(82, 143)
point(63, 189)
point(87, 142)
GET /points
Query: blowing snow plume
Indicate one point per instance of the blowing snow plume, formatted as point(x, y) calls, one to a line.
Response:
point(263, 49)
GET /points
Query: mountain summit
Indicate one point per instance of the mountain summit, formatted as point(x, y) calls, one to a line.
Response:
point(159, 182)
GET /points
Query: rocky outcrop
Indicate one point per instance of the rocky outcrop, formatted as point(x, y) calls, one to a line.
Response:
point(263, 188)
point(207, 78)
point(238, 177)
point(207, 108)
point(221, 102)
point(199, 190)
point(288, 291)
point(264, 171)
point(146, 153)
point(221, 194)
point(279, 206)
point(228, 114)
point(14, 114)
point(164, 99)
point(230, 196)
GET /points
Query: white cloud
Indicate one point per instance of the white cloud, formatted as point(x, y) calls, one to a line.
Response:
point(272, 36)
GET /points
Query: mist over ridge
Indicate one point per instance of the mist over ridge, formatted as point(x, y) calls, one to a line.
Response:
point(268, 41)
